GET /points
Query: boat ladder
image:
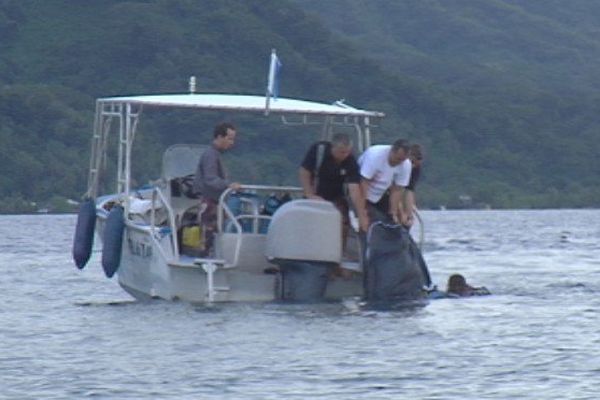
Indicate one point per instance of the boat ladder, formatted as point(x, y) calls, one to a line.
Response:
point(210, 266)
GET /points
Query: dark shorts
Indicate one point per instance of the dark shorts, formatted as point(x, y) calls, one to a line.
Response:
point(208, 222)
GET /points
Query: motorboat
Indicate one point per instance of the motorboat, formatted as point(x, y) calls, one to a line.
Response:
point(271, 244)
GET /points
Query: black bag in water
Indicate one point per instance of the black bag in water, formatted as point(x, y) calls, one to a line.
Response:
point(394, 268)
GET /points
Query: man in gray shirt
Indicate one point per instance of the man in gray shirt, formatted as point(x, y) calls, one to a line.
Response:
point(211, 181)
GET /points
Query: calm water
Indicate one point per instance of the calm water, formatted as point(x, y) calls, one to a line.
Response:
point(66, 334)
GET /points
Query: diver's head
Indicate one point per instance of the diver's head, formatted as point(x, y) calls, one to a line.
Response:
point(457, 284)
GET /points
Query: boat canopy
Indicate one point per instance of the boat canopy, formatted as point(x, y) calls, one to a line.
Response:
point(246, 103)
point(126, 110)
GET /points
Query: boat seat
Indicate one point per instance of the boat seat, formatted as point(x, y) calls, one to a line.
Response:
point(181, 160)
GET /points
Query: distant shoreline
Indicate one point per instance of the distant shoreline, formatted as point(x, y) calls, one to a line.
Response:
point(425, 209)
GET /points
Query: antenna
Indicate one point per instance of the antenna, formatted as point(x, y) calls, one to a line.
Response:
point(192, 84)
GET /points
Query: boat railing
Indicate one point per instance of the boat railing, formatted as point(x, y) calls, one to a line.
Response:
point(222, 208)
point(253, 189)
point(421, 228)
point(224, 212)
point(156, 192)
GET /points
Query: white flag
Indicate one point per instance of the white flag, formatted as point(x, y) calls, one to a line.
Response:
point(273, 80)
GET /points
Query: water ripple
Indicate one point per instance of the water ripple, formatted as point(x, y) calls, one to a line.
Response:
point(73, 334)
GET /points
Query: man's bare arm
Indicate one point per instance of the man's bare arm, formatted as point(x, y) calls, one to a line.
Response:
point(358, 200)
point(409, 205)
point(396, 209)
point(307, 184)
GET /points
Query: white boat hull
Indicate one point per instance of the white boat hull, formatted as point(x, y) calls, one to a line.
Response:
point(145, 274)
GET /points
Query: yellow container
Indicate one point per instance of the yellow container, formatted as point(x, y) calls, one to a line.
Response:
point(191, 237)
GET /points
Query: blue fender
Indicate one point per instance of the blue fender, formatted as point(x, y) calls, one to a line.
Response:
point(113, 241)
point(84, 233)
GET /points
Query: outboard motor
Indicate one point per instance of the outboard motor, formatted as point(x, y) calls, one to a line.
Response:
point(394, 268)
point(305, 241)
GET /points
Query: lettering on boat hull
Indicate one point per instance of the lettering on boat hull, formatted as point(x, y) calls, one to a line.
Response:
point(139, 248)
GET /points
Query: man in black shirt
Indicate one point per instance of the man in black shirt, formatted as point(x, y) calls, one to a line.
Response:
point(326, 167)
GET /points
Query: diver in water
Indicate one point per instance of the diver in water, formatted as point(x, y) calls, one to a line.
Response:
point(458, 287)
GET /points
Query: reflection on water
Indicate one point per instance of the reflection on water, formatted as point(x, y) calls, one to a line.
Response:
point(120, 303)
point(74, 334)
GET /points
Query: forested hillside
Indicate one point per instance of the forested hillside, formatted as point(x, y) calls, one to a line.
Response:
point(476, 45)
point(501, 93)
point(519, 80)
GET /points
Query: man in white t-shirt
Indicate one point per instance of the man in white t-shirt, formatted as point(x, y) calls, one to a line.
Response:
point(384, 167)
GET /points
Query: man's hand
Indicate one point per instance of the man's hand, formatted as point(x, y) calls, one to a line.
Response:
point(235, 186)
point(410, 220)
